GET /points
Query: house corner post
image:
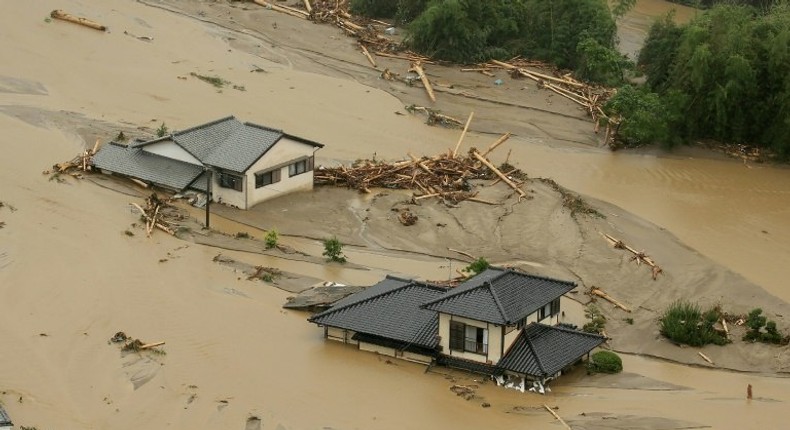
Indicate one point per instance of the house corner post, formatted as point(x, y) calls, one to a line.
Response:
point(209, 180)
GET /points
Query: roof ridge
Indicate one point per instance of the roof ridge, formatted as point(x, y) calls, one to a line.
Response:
point(263, 127)
point(570, 330)
point(197, 127)
point(544, 278)
point(359, 302)
point(496, 300)
point(534, 351)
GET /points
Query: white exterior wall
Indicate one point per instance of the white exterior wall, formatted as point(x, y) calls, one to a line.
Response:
point(494, 339)
point(392, 352)
point(169, 149)
point(510, 338)
point(340, 335)
point(286, 151)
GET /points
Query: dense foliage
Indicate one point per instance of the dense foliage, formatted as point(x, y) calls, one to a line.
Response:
point(724, 76)
point(761, 329)
point(575, 34)
point(605, 362)
point(478, 266)
point(684, 322)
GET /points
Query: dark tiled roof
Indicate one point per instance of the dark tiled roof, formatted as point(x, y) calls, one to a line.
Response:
point(229, 144)
point(5, 420)
point(500, 296)
point(468, 365)
point(133, 161)
point(388, 283)
point(389, 311)
point(541, 350)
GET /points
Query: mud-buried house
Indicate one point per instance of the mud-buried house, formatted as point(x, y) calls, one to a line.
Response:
point(499, 323)
point(246, 163)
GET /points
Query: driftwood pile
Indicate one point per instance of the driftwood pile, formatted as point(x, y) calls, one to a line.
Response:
point(83, 162)
point(160, 214)
point(444, 176)
point(638, 256)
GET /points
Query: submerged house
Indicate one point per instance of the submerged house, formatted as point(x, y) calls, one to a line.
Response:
point(5, 420)
point(499, 323)
point(238, 163)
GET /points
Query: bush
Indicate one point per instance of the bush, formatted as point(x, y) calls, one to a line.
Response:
point(684, 322)
point(477, 266)
point(374, 8)
point(597, 320)
point(162, 131)
point(605, 362)
point(756, 322)
point(644, 118)
point(333, 250)
point(271, 239)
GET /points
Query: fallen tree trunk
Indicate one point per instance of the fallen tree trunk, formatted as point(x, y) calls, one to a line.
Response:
point(500, 174)
point(557, 417)
point(59, 14)
point(150, 345)
point(421, 73)
point(498, 142)
point(367, 54)
point(595, 291)
point(706, 358)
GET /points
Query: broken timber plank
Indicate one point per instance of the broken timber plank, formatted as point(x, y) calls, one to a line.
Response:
point(706, 358)
point(59, 14)
point(367, 54)
point(151, 345)
point(557, 417)
point(498, 142)
point(283, 9)
point(595, 291)
point(417, 67)
point(463, 133)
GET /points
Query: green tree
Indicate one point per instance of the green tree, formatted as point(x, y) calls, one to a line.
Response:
point(333, 250)
point(644, 119)
point(374, 8)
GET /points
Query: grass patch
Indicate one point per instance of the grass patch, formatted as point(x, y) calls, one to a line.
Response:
point(684, 322)
point(217, 81)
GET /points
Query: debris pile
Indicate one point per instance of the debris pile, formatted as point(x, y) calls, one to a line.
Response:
point(83, 162)
point(444, 176)
point(128, 344)
point(160, 214)
point(407, 217)
point(465, 391)
point(638, 256)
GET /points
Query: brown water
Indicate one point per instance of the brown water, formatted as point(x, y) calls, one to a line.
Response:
point(633, 27)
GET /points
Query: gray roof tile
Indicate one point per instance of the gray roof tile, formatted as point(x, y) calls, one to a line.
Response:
point(541, 350)
point(5, 420)
point(133, 161)
point(390, 311)
point(500, 296)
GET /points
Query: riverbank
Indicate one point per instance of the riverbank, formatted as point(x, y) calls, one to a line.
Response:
point(70, 277)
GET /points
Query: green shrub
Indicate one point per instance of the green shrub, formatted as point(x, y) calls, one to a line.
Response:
point(644, 118)
point(162, 130)
point(333, 250)
point(477, 266)
point(271, 238)
point(374, 8)
point(684, 322)
point(597, 320)
point(756, 322)
point(605, 362)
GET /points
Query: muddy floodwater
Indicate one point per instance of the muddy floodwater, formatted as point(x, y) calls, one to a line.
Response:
point(76, 266)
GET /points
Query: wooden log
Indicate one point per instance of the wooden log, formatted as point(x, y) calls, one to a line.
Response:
point(479, 200)
point(282, 9)
point(726, 329)
point(498, 142)
point(403, 57)
point(555, 79)
point(367, 54)
point(308, 6)
point(95, 147)
point(465, 254)
point(557, 417)
point(500, 174)
point(59, 14)
point(463, 133)
point(417, 67)
point(139, 182)
point(553, 88)
point(348, 24)
point(595, 291)
point(150, 345)
point(706, 358)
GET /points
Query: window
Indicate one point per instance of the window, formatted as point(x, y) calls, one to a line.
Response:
point(549, 310)
point(301, 166)
point(267, 178)
point(468, 338)
point(227, 180)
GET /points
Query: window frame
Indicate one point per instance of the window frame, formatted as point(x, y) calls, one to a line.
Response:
point(231, 181)
point(301, 166)
point(459, 340)
point(274, 176)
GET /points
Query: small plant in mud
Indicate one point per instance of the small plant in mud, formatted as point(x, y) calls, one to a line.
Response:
point(477, 266)
point(271, 239)
point(128, 233)
point(162, 130)
point(684, 322)
point(629, 321)
point(121, 137)
point(757, 322)
point(243, 235)
point(333, 250)
point(213, 80)
point(604, 362)
point(597, 320)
